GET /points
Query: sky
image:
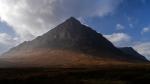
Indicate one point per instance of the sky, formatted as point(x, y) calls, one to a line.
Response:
point(123, 22)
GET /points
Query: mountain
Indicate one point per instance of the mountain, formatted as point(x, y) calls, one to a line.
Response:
point(70, 43)
point(70, 35)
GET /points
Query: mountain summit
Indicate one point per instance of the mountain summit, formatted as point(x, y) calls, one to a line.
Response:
point(70, 42)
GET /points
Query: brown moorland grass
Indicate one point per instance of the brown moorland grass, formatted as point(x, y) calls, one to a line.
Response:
point(108, 74)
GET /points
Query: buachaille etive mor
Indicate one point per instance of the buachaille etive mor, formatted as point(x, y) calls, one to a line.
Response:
point(70, 43)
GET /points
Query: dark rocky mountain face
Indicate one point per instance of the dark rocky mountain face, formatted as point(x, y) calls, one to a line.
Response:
point(132, 52)
point(74, 36)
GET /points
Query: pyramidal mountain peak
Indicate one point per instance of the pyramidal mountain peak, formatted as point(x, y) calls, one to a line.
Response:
point(69, 42)
point(71, 23)
point(71, 34)
point(72, 19)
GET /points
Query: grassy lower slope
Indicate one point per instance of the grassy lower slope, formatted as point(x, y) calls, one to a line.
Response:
point(59, 58)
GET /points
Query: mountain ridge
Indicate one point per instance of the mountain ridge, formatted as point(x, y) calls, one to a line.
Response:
point(132, 51)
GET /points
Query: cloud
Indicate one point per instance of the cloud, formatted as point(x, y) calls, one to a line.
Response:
point(119, 27)
point(132, 21)
point(6, 41)
point(119, 39)
point(145, 30)
point(131, 25)
point(31, 18)
point(143, 48)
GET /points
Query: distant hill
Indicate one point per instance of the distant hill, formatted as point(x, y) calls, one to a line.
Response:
point(70, 43)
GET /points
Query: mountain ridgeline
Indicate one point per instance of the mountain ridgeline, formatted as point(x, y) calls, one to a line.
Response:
point(72, 38)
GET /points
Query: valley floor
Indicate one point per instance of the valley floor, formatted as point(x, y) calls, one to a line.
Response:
point(110, 74)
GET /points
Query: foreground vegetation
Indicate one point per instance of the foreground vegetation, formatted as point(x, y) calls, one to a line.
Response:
point(110, 74)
